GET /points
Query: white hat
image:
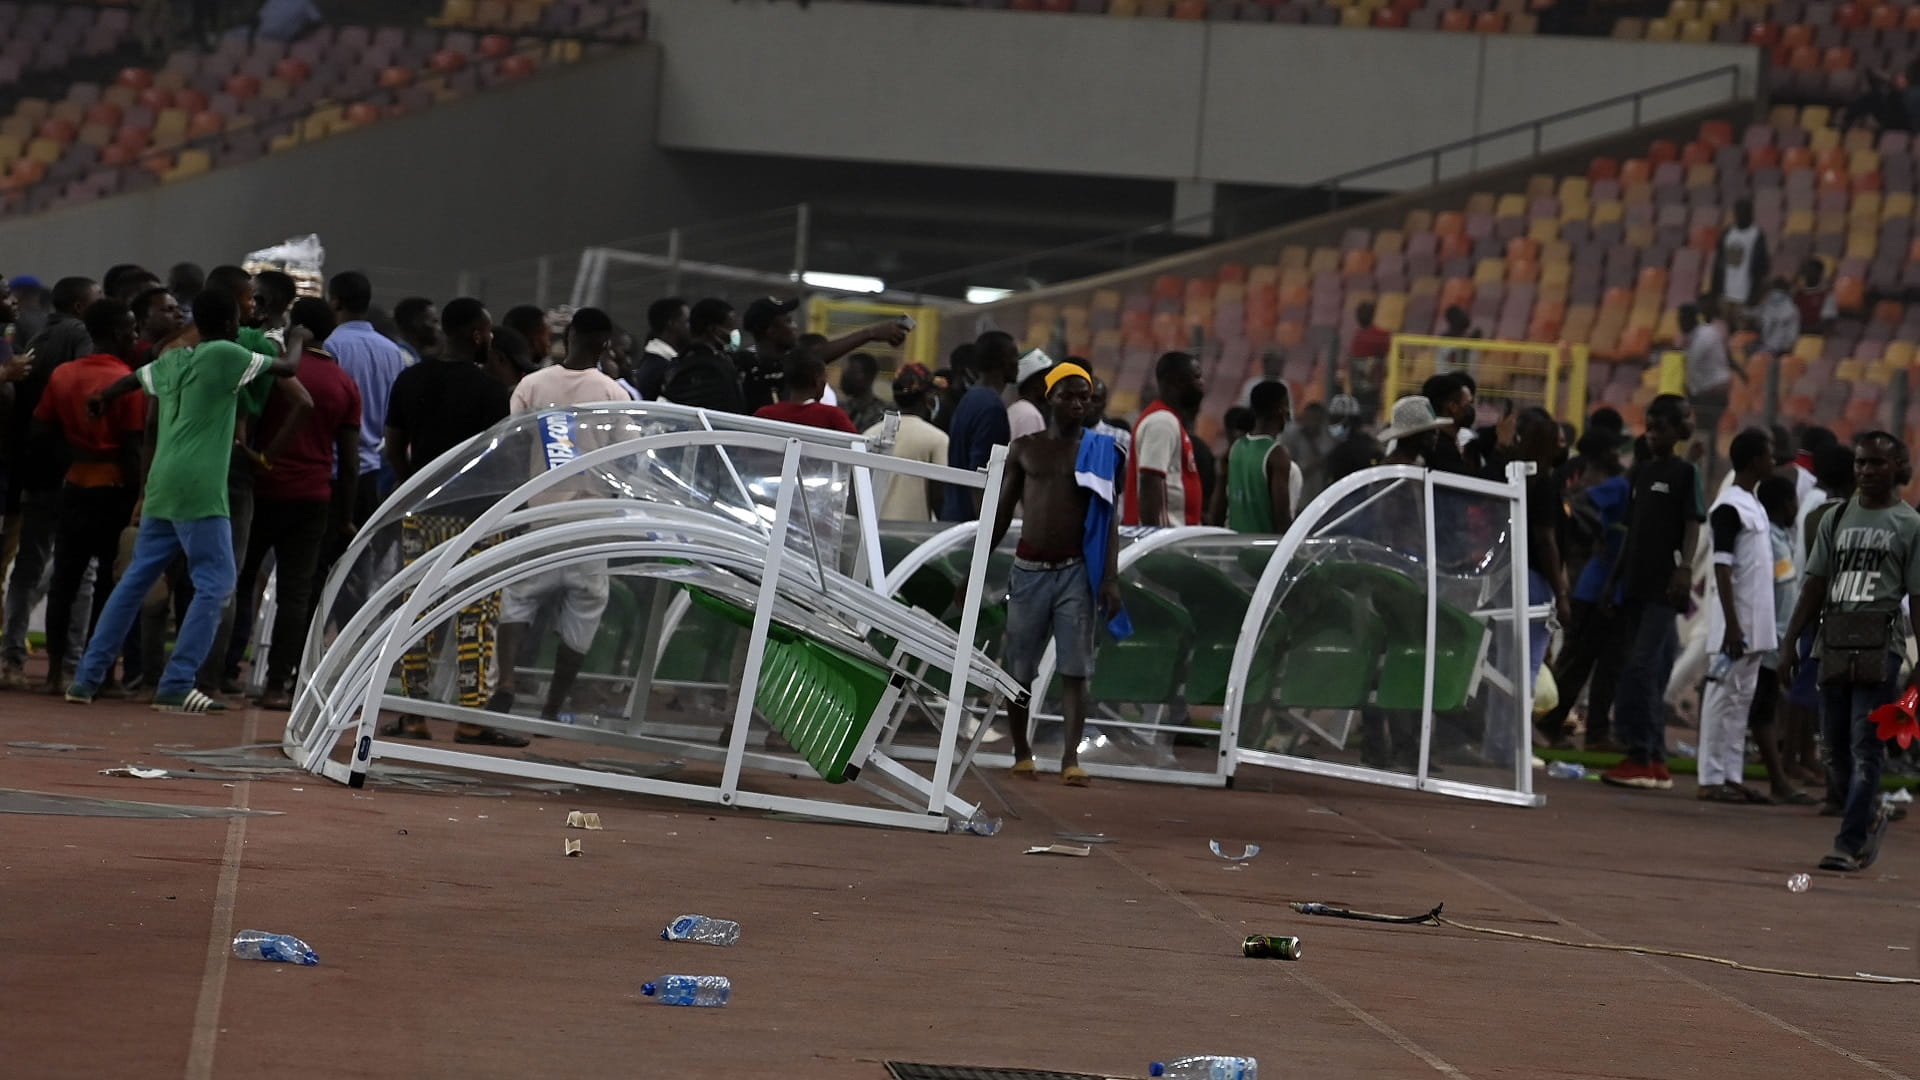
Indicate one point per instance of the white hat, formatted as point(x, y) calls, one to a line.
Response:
point(1412, 416)
point(1032, 364)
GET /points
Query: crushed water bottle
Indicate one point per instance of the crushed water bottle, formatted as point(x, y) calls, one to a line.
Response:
point(1718, 667)
point(702, 929)
point(705, 991)
point(1207, 1067)
point(280, 948)
point(1566, 770)
point(983, 824)
point(1799, 883)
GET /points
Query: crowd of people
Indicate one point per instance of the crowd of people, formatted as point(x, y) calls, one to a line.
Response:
point(165, 438)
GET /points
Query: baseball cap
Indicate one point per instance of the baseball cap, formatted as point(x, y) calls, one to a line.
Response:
point(912, 379)
point(25, 281)
point(1035, 362)
point(1343, 405)
point(761, 313)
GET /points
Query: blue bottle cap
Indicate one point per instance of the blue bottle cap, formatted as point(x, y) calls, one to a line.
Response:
point(1158, 1068)
point(663, 935)
point(648, 989)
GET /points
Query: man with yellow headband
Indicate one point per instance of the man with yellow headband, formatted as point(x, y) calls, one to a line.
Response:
point(1065, 558)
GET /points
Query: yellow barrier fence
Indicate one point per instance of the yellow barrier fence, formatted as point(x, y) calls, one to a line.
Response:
point(1523, 372)
point(835, 318)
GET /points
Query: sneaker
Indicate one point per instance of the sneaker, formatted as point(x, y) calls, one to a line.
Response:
point(1633, 774)
point(1843, 861)
point(80, 694)
point(193, 702)
point(1662, 779)
point(111, 690)
point(12, 678)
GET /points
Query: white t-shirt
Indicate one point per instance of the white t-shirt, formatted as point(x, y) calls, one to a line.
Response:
point(558, 386)
point(1708, 367)
point(1156, 447)
point(1736, 263)
point(905, 497)
point(1751, 565)
point(1024, 418)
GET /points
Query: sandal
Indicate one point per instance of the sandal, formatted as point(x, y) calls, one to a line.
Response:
point(1753, 796)
point(1024, 769)
point(1794, 797)
point(1075, 776)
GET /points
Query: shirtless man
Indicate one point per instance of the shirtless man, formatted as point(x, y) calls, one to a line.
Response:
point(1051, 590)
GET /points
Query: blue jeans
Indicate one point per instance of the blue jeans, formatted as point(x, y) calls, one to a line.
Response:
point(1639, 705)
point(1854, 751)
point(208, 545)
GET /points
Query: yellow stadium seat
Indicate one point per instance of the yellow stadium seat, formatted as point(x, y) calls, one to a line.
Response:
point(1848, 369)
point(1899, 353)
point(1681, 10)
point(1389, 241)
point(1480, 202)
point(1798, 222)
point(9, 149)
point(34, 109)
point(490, 14)
point(1896, 204)
point(45, 151)
point(190, 163)
point(1543, 230)
point(1815, 118)
point(1489, 271)
point(1511, 206)
point(1861, 162)
point(1809, 347)
point(1574, 188)
point(1391, 312)
point(1696, 31)
point(1293, 256)
point(455, 13)
point(1716, 11)
point(1639, 236)
point(1355, 17)
point(1660, 30)
point(1862, 245)
point(1607, 213)
point(1574, 210)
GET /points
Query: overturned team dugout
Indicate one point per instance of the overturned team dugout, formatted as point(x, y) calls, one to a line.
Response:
point(1387, 638)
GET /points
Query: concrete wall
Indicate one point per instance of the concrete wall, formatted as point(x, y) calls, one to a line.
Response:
point(565, 160)
point(1228, 102)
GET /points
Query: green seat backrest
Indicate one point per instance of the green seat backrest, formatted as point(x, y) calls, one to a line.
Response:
point(1147, 667)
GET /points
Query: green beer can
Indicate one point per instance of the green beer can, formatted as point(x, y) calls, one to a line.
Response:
point(1265, 947)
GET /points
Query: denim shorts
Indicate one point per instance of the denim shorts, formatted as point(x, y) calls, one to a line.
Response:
point(1043, 599)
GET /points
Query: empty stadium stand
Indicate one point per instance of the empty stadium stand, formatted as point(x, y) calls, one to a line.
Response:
point(198, 109)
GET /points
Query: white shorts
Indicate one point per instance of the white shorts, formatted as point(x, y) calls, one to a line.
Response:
point(584, 588)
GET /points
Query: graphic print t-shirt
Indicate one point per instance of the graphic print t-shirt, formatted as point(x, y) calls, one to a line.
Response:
point(1870, 558)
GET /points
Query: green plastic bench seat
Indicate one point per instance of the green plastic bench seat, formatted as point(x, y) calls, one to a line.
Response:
point(1222, 603)
point(1147, 667)
point(1331, 648)
point(820, 699)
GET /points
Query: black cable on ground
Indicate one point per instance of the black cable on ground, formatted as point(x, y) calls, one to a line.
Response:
point(1435, 918)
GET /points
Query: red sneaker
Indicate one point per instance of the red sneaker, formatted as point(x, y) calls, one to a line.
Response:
point(1635, 774)
point(1662, 779)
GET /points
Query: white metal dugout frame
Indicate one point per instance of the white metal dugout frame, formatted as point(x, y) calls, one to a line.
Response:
point(750, 562)
point(1513, 618)
point(1337, 504)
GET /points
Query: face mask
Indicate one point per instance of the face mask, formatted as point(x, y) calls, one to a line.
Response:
point(1338, 431)
point(733, 340)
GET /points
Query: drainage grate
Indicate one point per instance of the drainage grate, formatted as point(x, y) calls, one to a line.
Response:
point(905, 1070)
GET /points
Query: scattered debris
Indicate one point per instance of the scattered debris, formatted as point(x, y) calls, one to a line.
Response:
point(59, 747)
point(1324, 810)
point(1271, 947)
point(1248, 851)
point(982, 824)
point(278, 948)
point(1799, 883)
point(1079, 850)
point(136, 772)
point(572, 848)
point(578, 820)
point(1084, 838)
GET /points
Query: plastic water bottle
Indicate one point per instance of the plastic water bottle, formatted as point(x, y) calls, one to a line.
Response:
point(705, 991)
point(1717, 669)
point(983, 824)
point(1566, 770)
point(1207, 1067)
point(280, 948)
point(701, 928)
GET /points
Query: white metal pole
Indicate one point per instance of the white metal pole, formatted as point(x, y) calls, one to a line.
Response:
point(762, 620)
point(1433, 633)
point(1517, 473)
point(969, 625)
